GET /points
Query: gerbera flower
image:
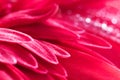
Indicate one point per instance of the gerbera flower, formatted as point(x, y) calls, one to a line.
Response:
point(36, 36)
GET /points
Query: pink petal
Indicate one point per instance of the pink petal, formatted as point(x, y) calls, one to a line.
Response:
point(9, 72)
point(54, 69)
point(112, 54)
point(57, 24)
point(57, 50)
point(94, 41)
point(86, 67)
point(9, 35)
point(57, 70)
point(38, 49)
point(63, 23)
point(28, 16)
point(41, 69)
point(72, 44)
point(24, 57)
point(6, 57)
point(41, 31)
point(27, 60)
point(36, 76)
point(28, 4)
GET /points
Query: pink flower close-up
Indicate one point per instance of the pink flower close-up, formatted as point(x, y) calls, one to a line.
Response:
point(59, 40)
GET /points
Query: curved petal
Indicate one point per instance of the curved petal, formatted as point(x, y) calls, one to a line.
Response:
point(41, 31)
point(38, 49)
point(86, 67)
point(28, 16)
point(9, 72)
point(36, 76)
point(73, 44)
point(23, 57)
point(41, 69)
point(112, 54)
point(56, 24)
point(54, 69)
point(57, 70)
point(94, 41)
point(63, 23)
point(6, 57)
point(57, 50)
point(9, 35)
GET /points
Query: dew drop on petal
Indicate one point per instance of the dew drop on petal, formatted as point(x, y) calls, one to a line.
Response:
point(110, 29)
point(88, 20)
point(97, 24)
point(114, 21)
point(104, 26)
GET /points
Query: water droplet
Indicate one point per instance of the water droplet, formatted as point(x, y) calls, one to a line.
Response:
point(110, 29)
point(97, 24)
point(88, 20)
point(114, 21)
point(104, 26)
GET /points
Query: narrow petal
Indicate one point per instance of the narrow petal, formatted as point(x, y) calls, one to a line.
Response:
point(9, 35)
point(38, 49)
point(73, 44)
point(41, 69)
point(56, 24)
point(9, 72)
point(57, 70)
point(6, 57)
point(35, 76)
point(23, 57)
point(63, 23)
point(54, 69)
point(94, 41)
point(57, 50)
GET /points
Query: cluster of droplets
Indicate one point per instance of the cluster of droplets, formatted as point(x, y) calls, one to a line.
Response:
point(106, 26)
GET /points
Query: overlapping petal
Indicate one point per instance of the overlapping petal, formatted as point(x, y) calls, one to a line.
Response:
point(43, 32)
point(40, 31)
point(28, 16)
point(6, 57)
point(10, 72)
point(20, 55)
point(39, 49)
point(84, 66)
point(9, 35)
